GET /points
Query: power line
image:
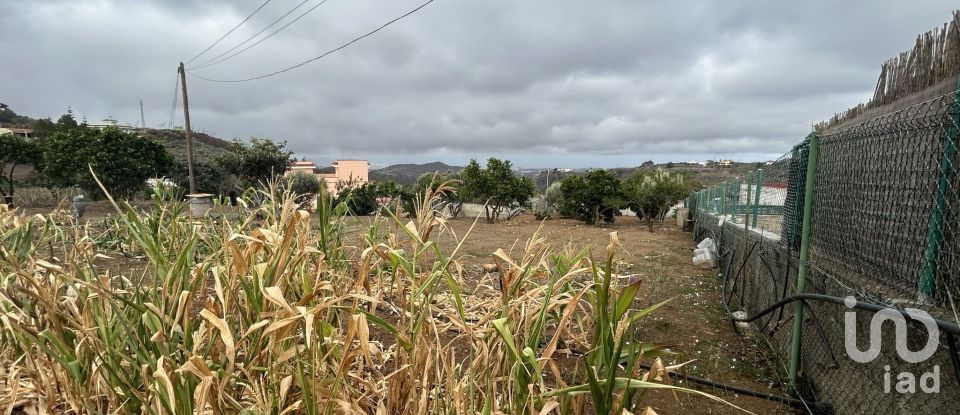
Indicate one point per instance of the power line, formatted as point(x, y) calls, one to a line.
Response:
point(231, 31)
point(214, 60)
point(355, 40)
point(173, 108)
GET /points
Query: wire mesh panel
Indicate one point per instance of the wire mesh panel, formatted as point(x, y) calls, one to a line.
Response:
point(882, 201)
point(830, 374)
point(885, 229)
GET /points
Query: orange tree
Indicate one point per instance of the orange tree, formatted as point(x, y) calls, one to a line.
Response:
point(122, 160)
point(496, 186)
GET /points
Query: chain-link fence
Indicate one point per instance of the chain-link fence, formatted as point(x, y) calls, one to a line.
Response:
point(883, 227)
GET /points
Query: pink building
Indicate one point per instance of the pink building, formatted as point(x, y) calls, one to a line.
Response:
point(340, 175)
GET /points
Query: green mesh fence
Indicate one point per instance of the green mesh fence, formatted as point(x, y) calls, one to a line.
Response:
point(885, 229)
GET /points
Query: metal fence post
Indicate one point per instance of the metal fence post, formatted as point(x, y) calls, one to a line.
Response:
point(704, 207)
point(713, 199)
point(723, 198)
point(746, 208)
point(927, 283)
point(756, 197)
point(812, 155)
point(736, 196)
point(709, 200)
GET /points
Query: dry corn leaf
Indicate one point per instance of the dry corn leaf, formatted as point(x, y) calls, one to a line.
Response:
point(275, 295)
point(48, 266)
point(225, 335)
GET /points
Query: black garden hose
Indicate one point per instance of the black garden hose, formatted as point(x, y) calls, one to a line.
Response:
point(814, 407)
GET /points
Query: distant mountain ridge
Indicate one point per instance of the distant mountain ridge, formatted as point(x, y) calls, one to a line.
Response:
point(407, 174)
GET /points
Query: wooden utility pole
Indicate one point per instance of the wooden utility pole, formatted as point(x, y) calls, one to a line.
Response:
point(186, 126)
point(143, 121)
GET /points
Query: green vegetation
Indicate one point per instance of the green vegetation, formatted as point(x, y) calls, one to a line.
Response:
point(450, 200)
point(9, 117)
point(123, 159)
point(257, 162)
point(304, 186)
point(651, 195)
point(15, 151)
point(495, 186)
point(208, 178)
point(593, 198)
point(360, 200)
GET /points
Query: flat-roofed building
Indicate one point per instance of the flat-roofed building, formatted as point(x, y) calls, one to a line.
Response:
point(341, 174)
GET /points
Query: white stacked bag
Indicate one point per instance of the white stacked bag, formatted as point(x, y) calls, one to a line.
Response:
point(706, 253)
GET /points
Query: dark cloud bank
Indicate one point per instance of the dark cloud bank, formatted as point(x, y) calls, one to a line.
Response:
point(545, 83)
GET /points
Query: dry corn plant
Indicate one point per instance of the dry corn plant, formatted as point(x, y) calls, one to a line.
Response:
point(277, 312)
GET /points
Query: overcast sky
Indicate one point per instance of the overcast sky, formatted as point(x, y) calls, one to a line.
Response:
point(543, 83)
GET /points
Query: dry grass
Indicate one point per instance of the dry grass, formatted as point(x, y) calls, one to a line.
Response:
point(277, 313)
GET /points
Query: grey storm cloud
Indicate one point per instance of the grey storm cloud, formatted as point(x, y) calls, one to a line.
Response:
point(562, 82)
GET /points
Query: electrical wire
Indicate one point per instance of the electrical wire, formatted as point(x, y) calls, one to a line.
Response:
point(228, 33)
point(216, 59)
point(173, 107)
point(355, 40)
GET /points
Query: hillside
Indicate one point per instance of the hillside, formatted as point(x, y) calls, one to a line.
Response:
point(205, 147)
point(407, 174)
point(9, 118)
point(708, 175)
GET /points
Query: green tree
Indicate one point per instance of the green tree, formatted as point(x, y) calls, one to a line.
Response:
point(15, 151)
point(44, 128)
point(391, 194)
point(66, 121)
point(451, 201)
point(305, 186)
point(553, 196)
point(652, 194)
point(592, 198)
point(303, 183)
point(122, 160)
point(361, 200)
point(259, 161)
point(389, 188)
point(208, 177)
point(495, 186)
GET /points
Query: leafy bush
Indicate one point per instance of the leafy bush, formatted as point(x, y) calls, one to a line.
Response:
point(652, 194)
point(592, 198)
point(257, 162)
point(451, 200)
point(302, 183)
point(361, 200)
point(305, 187)
point(495, 186)
point(123, 160)
point(208, 178)
point(553, 196)
point(15, 151)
